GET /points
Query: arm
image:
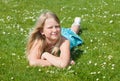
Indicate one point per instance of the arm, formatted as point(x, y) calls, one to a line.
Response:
point(34, 56)
point(64, 59)
point(39, 62)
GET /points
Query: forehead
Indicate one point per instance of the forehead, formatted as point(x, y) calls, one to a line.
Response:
point(50, 21)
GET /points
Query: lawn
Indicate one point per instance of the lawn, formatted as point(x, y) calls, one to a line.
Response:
point(96, 60)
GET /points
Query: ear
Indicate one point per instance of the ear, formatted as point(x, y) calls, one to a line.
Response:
point(41, 31)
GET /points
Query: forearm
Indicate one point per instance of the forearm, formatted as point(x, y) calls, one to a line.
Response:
point(57, 61)
point(39, 62)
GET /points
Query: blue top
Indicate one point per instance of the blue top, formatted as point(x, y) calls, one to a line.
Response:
point(74, 39)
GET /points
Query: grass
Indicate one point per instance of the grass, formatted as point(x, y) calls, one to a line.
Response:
point(96, 60)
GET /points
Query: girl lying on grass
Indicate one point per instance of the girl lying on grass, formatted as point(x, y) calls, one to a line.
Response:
point(49, 44)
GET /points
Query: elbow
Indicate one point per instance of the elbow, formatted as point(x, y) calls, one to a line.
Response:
point(64, 65)
point(32, 63)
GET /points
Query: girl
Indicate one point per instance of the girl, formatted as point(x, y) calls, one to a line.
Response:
point(49, 44)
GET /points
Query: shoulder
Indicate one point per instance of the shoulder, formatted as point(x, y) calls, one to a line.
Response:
point(65, 43)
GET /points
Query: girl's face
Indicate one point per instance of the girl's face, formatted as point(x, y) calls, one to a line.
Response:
point(51, 29)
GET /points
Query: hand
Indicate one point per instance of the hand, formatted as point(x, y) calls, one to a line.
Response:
point(43, 56)
point(72, 62)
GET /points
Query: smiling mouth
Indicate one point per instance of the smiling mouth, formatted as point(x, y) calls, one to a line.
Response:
point(54, 34)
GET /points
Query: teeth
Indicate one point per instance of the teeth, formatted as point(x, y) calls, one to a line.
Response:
point(53, 33)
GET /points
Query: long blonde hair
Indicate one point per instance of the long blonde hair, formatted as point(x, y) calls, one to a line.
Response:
point(36, 35)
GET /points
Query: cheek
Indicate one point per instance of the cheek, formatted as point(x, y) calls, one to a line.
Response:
point(59, 30)
point(47, 33)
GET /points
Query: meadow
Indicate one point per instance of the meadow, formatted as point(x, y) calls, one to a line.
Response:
point(98, 59)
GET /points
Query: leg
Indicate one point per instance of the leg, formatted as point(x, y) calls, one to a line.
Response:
point(76, 25)
point(75, 28)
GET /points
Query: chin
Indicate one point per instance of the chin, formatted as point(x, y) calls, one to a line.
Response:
point(55, 38)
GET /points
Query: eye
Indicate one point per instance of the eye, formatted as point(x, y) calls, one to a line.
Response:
point(50, 27)
point(57, 26)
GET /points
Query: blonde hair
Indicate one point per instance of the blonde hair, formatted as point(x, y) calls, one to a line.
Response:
point(36, 35)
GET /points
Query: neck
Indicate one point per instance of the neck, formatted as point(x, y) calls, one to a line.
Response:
point(51, 43)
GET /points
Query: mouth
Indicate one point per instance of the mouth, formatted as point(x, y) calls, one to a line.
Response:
point(54, 33)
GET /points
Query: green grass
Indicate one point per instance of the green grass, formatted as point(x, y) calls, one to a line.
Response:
point(96, 60)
